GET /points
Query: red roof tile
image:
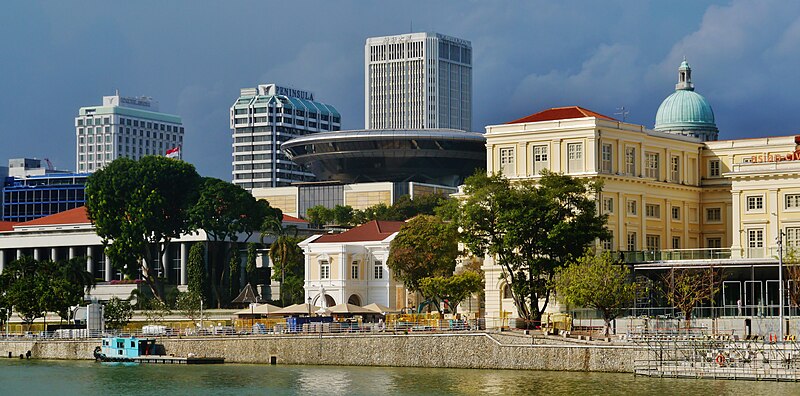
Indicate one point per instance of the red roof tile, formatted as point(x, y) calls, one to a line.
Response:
point(375, 230)
point(560, 113)
point(7, 225)
point(292, 219)
point(72, 216)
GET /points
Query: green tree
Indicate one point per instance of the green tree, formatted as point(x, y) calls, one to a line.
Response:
point(319, 216)
point(343, 215)
point(156, 310)
point(250, 267)
point(452, 289)
point(287, 266)
point(380, 211)
point(138, 205)
point(22, 289)
point(235, 279)
point(117, 313)
point(196, 271)
point(530, 229)
point(600, 282)
point(225, 211)
point(425, 247)
point(686, 288)
point(189, 305)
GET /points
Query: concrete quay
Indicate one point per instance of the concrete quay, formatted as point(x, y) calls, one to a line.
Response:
point(482, 350)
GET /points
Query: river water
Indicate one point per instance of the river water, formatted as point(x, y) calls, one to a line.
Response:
point(60, 378)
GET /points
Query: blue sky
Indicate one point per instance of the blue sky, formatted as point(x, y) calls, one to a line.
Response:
point(194, 56)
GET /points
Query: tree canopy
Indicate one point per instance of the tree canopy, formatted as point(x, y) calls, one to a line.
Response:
point(138, 205)
point(530, 229)
point(452, 289)
point(425, 247)
point(597, 281)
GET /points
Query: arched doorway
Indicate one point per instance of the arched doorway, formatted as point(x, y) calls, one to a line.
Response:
point(355, 300)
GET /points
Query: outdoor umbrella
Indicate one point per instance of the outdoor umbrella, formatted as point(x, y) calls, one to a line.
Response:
point(247, 296)
point(262, 309)
point(297, 309)
point(344, 309)
point(381, 309)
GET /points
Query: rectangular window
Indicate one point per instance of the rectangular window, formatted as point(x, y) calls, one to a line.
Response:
point(653, 242)
point(676, 242)
point(675, 169)
point(755, 202)
point(606, 158)
point(631, 241)
point(651, 165)
point(575, 157)
point(632, 209)
point(608, 244)
point(354, 270)
point(792, 237)
point(714, 243)
point(608, 205)
point(540, 159)
point(324, 269)
point(755, 243)
point(676, 213)
point(713, 168)
point(652, 211)
point(713, 215)
point(507, 161)
point(792, 201)
point(378, 270)
point(630, 161)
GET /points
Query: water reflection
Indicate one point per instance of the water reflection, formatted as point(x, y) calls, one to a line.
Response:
point(87, 378)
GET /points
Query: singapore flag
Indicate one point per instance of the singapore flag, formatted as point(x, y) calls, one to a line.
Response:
point(174, 152)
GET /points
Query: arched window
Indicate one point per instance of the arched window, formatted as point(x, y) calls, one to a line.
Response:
point(507, 291)
point(355, 300)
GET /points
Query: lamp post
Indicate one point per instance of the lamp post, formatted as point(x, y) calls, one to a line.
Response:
point(780, 282)
point(309, 306)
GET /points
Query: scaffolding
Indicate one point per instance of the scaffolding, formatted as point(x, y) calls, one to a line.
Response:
point(692, 353)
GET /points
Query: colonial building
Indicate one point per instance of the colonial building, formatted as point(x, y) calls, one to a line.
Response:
point(674, 196)
point(351, 267)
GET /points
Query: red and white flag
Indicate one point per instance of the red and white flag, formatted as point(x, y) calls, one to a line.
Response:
point(174, 152)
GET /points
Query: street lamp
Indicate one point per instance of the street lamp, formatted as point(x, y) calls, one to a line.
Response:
point(780, 281)
point(309, 306)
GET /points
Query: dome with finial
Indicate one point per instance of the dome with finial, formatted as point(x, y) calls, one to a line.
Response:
point(686, 112)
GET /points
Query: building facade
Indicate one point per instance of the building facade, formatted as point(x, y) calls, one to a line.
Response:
point(351, 267)
point(296, 200)
point(32, 197)
point(130, 127)
point(264, 117)
point(418, 81)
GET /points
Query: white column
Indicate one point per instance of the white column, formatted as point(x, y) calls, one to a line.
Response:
point(89, 260)
point(19, 254)
point(184, 260)
point(36, 253)
point(54, 254)
point(165, 261)
point(736, 226)
point(108, 269)
point(2, 260)
point(72, 252)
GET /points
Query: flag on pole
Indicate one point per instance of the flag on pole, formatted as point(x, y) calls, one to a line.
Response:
point(174, 152)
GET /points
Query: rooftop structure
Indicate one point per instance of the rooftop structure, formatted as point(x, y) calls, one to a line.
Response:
point(686, 112)
point(436, 156)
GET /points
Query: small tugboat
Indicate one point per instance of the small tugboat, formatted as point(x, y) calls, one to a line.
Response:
point(142, 350)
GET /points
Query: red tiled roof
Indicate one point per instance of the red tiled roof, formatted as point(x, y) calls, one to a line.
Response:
point(560, 113)
point(375, 230)
point(72, 216)
point(7, 225)
point(292, 219)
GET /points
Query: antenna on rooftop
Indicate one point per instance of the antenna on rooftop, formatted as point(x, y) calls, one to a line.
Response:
point(623, 112)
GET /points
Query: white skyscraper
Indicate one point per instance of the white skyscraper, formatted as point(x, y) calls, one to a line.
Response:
point(123, 127)
point(264, 117)
point(418, 80)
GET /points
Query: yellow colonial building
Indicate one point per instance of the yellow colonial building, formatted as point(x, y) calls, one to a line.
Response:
point(674, 195)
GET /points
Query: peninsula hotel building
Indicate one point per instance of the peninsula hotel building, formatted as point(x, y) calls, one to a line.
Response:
point(675, 195)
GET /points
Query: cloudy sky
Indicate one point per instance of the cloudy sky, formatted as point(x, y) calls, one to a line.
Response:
point(194, 56)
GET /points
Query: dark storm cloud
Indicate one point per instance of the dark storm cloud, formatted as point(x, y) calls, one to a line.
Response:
point(194, 57)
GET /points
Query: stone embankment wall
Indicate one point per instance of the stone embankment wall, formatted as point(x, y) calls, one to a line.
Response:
point(479, 350)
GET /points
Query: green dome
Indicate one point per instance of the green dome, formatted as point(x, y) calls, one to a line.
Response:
point(684, 109)
point(686, 112)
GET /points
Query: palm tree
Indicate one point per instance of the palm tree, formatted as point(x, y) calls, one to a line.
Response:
point(280, 249)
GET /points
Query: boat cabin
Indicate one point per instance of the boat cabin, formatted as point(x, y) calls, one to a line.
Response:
point(128, 347)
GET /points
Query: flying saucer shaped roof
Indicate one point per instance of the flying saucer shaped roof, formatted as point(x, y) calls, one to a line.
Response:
point(438, 156)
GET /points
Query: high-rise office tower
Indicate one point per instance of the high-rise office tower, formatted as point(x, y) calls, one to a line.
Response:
point(123, 127)
point(264, 117)
point(418, 80)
